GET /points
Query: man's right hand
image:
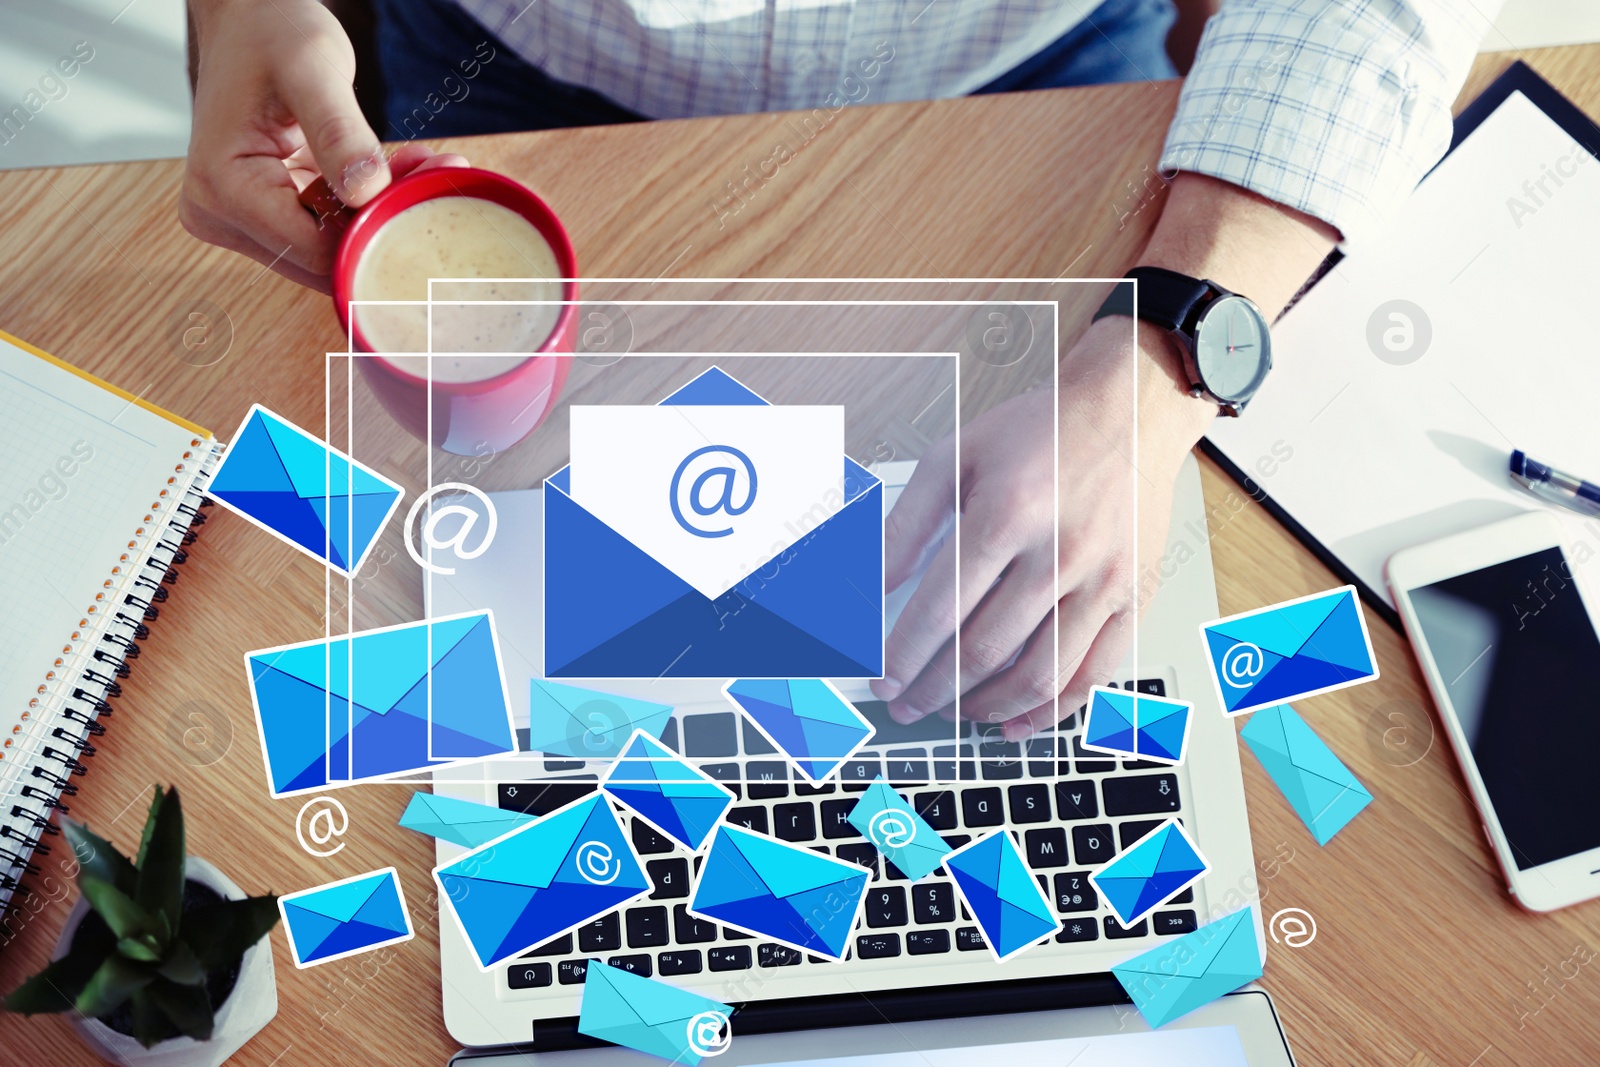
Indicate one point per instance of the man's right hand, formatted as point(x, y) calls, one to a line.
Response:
point(273, 109)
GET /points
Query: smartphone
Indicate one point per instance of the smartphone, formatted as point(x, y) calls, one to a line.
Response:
point(1509, 643)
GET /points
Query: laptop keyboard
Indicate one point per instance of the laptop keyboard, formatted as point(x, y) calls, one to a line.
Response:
point(1069, 809)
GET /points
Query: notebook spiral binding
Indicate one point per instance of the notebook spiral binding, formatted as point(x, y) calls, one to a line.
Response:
point(86, 698)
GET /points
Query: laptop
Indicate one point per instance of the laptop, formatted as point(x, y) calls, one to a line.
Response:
point(917, 957)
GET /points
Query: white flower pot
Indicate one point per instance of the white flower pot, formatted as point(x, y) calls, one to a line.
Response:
point(251, 1005)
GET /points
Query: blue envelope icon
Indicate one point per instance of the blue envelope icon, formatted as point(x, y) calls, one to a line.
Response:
point(1149, 872)
point(1002, 895)
point(564, 720)
point(461, 822)
point(888, 820)
point(679, 800)
point(1136, 724)
point(1175, 978)
point(303, 491)
point(380, 703)
point(814, 608)
point(808, 719)
point(542, 880)
point(785, 892)
point(653, 1017)
point(1317, 785)
point(343, 918)
point(1296, 649)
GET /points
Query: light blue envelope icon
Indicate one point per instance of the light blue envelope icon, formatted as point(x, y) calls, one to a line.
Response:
point(345, 917)
point(1317, 785)
point(653, 1017)
point(1000, 891)
point(808, 720)
point(888, 820)
point(1150, 872)
point(542, 880)
point(565, 720)
point(785, 892)
point(1176, 977)
point(1137, 725)
point(307, 493)
point(814, 609)
point(380, 703)
point(460, 822)
point(677, 799)
point(1299, 648)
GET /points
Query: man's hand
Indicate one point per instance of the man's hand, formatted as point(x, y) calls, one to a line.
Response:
point(1020, 662)
point(273, 109)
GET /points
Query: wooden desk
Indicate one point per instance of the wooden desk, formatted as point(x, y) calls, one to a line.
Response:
point(1420, 958)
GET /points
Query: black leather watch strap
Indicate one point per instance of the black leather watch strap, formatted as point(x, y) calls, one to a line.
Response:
point(1166, 298)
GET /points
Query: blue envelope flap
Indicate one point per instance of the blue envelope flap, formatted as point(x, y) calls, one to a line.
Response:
point(532, 856)
point(1283, 630)
point(787, 871)
point(715, 387)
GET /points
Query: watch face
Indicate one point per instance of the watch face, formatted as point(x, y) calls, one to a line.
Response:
point(1232, 348)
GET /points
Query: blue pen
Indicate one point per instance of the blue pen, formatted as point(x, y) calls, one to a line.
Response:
point(1568, 490)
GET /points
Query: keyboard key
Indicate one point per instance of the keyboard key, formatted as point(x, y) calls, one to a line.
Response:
point(927, 942)
point(1115, 931)
point(836, 819)
point(1082, 930)
point(647, 927)
point(955, 841)
point(671, 878)
point(981, 807)
point(970, 939)
point(683, 961)
point(1152, 687)
point(1141, 794)
point(877, 946)
point(729, 958)
point(886, 906)
point(687, 930)
point(939, 809)
point(646, 841)
point(767, 780)
point(1077, 800)
point(1000, 759)
point(714, 734)
point(669, 736)
point(951, 764)
point(572, 972)
point(1142, 765)
point(1090, 762)
point(795, 822)
point(561, 946)
point(602, 935)
point(1129, 832)
point(557, 766)
point(858, 774)
point(933, 902)
point(751, 818)
point(730, 934)
point(729, 774)
point(771, 955)
point(1029, 803)
point(1047, 847)
point(1185, 897)
point(529, 976)
point(754, 743)
point(861, 854)
point(1074, 892)
point(908, 767)
point(1092, 845)
point(541, 798)
point(639, 964)
point(801, 789)
point(1041, 752)
point(1168, 923)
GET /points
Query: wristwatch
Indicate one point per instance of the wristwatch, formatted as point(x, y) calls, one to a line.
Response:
point(1226, 346)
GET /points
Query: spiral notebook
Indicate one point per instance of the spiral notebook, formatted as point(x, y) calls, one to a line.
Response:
point(98, 491)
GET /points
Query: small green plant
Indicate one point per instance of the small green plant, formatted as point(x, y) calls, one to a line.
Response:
point(139, 956)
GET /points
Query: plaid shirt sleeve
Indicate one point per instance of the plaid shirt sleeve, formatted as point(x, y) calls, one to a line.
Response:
point(1334, 107)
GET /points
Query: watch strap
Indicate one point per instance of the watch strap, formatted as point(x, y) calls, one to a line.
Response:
point(1166, 298)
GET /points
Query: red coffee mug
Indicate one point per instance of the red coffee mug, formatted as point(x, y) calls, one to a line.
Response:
point(469, 418)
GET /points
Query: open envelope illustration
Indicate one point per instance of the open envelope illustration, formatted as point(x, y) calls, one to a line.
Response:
point(653, 1017)
point(1001, 893)
point(1295, 649)
point(1137, 724)
point(542, 880)
point(342, 918)
point(808, 719)
point(460, 822)
point(380, 703)
point(785, 892)
point(888, 820)
point(810, 603)
point(677, 799)
point(304, 492)
point(1150, 872)
point(1317, 785)
point(564, 720)
point(1175, 978)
